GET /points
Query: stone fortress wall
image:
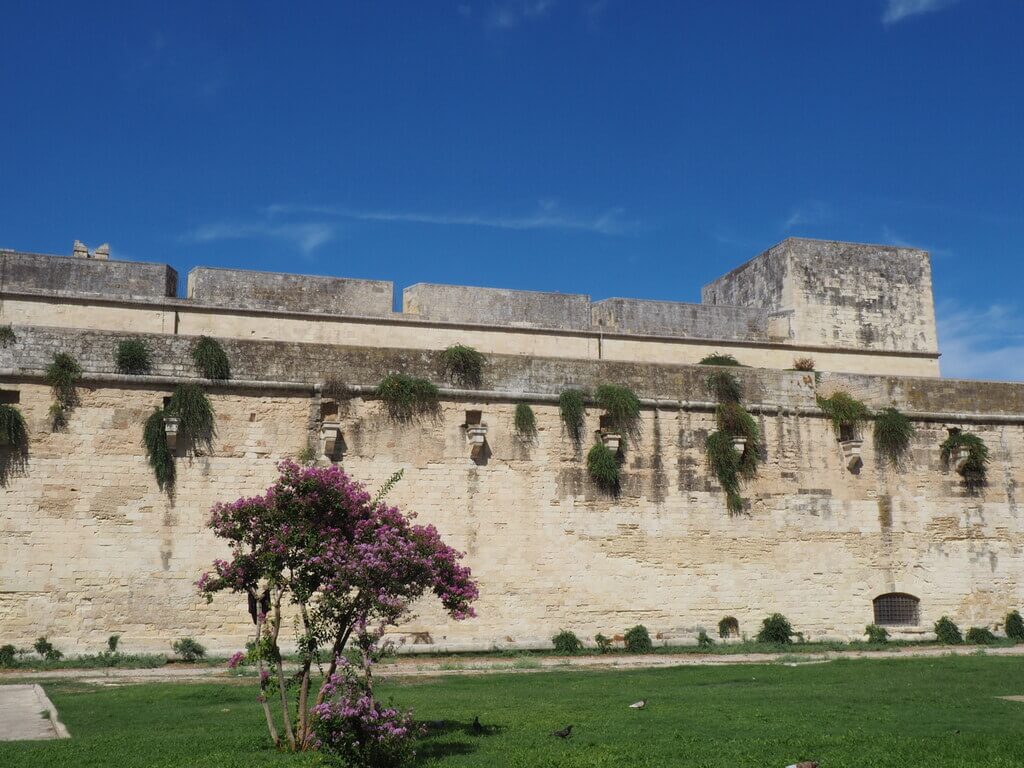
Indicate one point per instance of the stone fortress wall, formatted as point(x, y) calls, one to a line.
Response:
point(90, 547)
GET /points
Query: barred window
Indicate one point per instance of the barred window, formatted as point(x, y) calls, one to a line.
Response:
point(896, 609)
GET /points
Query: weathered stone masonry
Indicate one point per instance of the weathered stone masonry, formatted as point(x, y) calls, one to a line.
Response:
point(89, 546)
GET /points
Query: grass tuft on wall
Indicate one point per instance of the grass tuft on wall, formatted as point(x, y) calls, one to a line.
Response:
point(572, 411)
point(154, 440)
point(463, 366)
point(210, 359)
point(621, 406)
point(192, 406)
point(847, 413)
point(718, 359)
point(132, 357)
point(975, 471)
point(892, 436)
point(603, 467)
point(405, 397)
point(525, 421)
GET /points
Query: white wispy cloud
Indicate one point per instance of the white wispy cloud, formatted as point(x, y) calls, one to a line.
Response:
point(547, 216)
point(508, 15)
point(305, 236)
point(807, 214)
point(898, 10)
point(981, 342)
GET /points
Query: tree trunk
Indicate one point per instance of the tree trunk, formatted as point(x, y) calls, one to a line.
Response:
point(263, 698)
point(276, 629)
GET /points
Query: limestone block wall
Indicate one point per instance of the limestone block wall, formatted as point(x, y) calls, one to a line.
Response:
point(673, 318)
point(288, 292)
point(842, 294)
point(496, 306)
point(36, 272)
point(89, 546)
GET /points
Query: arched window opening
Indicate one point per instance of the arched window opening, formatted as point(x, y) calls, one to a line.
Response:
point(897, 609)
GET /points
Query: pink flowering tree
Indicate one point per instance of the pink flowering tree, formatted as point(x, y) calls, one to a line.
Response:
point(344, 562)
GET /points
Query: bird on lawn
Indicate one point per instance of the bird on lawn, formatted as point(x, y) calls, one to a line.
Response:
point(478, 729)
point(565, 733)
point(805, 764)
point(638, 704)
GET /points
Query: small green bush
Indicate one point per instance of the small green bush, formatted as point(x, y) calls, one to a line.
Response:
point(621, 406)
point(703, 641)
point(525, 421)
point(570, 406)
point(566, 643)
point(1014, 626)
point(210, 359)
point(12, 426)
point(717, 359)
point(154, 440)
point(112, 642)
point(604, 644)
point(776, 630)
point(192, 406)
point(45, 649)
point(463, 366)
point(638, 640)
point(724, 387)
point(132, 357)
point(845, 412)
point(7, 654)
point(188, 649)
point(947, 633)
point(63, 375)
point(976, 469)
point(980, 636)
point(7, 336)
point(876, 635)
point(728, 626)
point(407, 396)
point(603, 467)
point(892, 436)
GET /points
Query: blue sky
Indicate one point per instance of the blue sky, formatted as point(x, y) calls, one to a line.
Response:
point(594, 146)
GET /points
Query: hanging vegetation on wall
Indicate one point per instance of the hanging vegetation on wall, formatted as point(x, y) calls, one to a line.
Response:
point(572, 410)
point(62, 375)
point(621, 406)
point(7, 336)
point(210, 359)
point(733, 451)
point(974, 454)
point(191, 405)
point(847, 414)
point(893, 434)
point(13, 442)
point(154, 439)
point(407, 396)
point(463, 366)
point(603, 466)
point(525, 421)
point(132, 357)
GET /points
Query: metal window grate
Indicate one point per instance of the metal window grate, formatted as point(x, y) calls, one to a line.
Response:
point(896, 609)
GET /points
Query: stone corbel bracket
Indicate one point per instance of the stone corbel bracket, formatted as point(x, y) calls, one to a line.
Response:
point(171, 426)
point(851, 453)
point(331, 439)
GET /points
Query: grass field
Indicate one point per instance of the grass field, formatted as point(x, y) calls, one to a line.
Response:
point(939, 712)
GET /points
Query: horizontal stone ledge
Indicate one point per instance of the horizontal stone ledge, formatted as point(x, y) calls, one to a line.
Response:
point(493, 395)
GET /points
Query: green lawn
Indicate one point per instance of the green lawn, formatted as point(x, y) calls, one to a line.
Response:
point(847, 714)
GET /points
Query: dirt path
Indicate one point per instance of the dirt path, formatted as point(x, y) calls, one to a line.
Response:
point(412, 666)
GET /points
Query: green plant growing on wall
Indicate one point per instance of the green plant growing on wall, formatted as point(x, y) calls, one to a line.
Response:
point(717, 359)
point(733, 450)
point(604, 644)
point(980, 636)
point(728, 626)
point(603, 467)
point(876, 635)
point(210, 359)
point(892, 436)
point(407, 396)
point(463, 366)
point(159, 456)
point(847, 413)
point(724, 387)
point(525, 421)
point(572, 410)
point(132, 357)
point(63, 375)
point(191, 405)
point(621, 406)
point(7, 336)
point(975, 470)
point(13, 442)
